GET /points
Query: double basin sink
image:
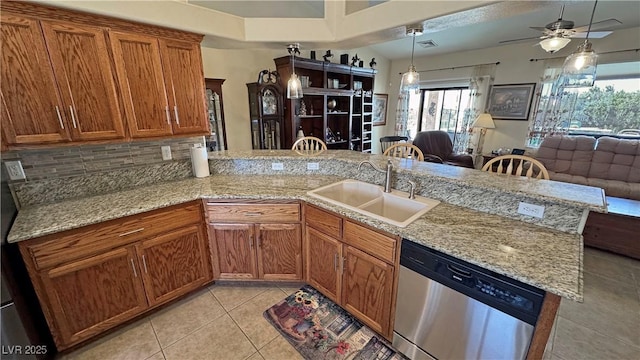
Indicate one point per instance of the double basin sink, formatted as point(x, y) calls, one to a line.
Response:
point(395, 208)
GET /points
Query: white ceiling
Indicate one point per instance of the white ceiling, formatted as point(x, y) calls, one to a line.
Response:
point(349, 24)
point(459, 36)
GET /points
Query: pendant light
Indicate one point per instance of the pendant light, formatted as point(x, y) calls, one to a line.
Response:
point(411, 79)
point(294, 86)
point(579, 69)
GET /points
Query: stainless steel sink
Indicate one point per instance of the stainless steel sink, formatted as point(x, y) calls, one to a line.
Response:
point(394, 208)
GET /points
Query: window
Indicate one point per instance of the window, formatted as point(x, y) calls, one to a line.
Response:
point(611, 107)
point(439, 109)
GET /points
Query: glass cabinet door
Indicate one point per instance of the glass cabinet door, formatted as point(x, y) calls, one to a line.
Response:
point(216, 141)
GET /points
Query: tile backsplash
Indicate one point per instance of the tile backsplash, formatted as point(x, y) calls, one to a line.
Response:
point(61, 173)
point(81, 160)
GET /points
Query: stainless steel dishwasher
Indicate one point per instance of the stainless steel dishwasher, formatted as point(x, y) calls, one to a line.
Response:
point(450, 309)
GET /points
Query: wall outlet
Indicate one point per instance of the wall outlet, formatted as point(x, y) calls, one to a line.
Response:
point(313, 166)
point(15, 170)
point(530, 209)
point(277, 166)
point(166, 152)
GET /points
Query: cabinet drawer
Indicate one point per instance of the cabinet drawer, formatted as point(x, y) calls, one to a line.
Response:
point(323, 221)
point(75, 244)
point(254, 213)
point(372, 242)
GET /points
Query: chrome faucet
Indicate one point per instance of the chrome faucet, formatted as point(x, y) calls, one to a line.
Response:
point(387, 176)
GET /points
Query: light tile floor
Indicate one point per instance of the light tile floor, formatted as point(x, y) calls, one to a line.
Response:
point(225, 322)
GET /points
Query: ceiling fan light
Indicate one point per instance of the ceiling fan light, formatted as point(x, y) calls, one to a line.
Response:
point(579, 68)
point(554, 44)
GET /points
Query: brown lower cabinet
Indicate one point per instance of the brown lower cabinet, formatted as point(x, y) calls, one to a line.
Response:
point(256, 240)
point(363, 279)
point(94, 278)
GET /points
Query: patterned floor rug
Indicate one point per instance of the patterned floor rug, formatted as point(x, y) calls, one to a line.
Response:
point(320, 329)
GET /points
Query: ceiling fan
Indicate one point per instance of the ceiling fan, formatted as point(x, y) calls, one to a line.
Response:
point(559, 33)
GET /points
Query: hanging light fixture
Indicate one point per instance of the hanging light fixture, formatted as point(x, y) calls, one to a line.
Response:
point(579, 69)
point(411, 79)
point(294, 86)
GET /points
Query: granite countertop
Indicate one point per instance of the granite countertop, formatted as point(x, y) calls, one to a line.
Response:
point(542, 257)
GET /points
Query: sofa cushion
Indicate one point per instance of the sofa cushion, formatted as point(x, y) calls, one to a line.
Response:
point(616, 159)
point(567, 154)
point(575, 179)
point(617, 188)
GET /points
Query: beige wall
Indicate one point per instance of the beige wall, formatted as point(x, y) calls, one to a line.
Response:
point(515, 67)
point(240, 67)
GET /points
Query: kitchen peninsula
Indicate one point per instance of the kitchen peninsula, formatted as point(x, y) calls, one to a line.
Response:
point(476, 221)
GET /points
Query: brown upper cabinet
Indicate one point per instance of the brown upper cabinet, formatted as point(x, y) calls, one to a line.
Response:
point(57, 83)
point(70, 76)
point(32, 108)
point(163, 83)
point(82, 67)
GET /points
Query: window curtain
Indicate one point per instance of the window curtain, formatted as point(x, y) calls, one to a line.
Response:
point(402, 114)
point(479, 84)
point(553, 107)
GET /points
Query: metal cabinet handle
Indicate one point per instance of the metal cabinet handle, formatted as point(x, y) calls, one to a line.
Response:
point(131, 232)
point(335, 262)
point(175, 111)
point(166, 109)
point(342, 269)
point(59, 117)
point(73, 117)
point(251, 242)
point(133, 266)
point(259, 243)
point(252, 213)
point(144, 264)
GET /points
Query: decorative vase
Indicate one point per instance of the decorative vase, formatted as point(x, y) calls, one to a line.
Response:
point(331, 104)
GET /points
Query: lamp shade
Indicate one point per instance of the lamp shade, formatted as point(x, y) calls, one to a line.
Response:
point(484, 121)
point(294, 87)
point(579, 69)
point(410, 80)
point(554, 44)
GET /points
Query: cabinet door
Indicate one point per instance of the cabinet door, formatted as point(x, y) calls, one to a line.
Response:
point(139, 69)
point(174, 263)
point(32, 106)
point(279, 251)
point(323, 263)
point(94, 294)
point(82, 68)
point(368, 289)
point(183, 74)
point(233, 247)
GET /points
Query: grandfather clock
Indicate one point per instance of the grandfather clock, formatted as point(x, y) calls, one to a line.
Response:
point(266, 109)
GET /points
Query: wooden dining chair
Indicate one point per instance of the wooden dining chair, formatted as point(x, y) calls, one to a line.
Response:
point(387, 141)
point(309, 145)
point(406, 151)
point(515, 165)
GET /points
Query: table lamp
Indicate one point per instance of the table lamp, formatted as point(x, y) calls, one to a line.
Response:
point(484, 121)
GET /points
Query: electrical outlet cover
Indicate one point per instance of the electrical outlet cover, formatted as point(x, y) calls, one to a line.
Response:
point(15, 170)
point(166, 152)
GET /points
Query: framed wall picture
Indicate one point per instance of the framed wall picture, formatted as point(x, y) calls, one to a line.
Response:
point(511, 102)
point(380, 109)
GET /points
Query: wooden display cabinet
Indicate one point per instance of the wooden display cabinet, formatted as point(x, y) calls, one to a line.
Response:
point(329, 81)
